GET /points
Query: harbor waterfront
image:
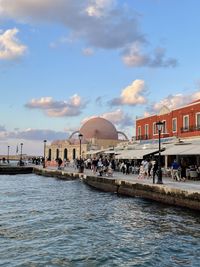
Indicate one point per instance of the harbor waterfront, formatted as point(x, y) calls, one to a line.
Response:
point(53, 222)
point(184, 194)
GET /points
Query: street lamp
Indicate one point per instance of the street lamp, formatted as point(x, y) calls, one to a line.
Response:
point(8, 154)
point(81, 163)
point(21, 151)
point(44, 153)
point(80, 136)
point(159, 125)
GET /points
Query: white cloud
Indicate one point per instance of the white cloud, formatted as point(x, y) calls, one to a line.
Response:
point(31, 138)
point(117, 117)
point(134, 57)
point(99, 23)
point(132, 94)
point(53, 108)
point(10, 46)
point(36, 134)
point(97, 8)
point(103, 26)
point(173, 101)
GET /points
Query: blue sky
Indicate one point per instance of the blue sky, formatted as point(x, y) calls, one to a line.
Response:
point(64, 61)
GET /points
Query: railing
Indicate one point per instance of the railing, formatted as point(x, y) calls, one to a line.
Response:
point(147, 137)
point(192, 128)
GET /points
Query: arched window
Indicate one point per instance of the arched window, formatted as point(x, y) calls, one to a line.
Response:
point(74, 153)
point(65, 153)
point(49, 155)
point(57, 153)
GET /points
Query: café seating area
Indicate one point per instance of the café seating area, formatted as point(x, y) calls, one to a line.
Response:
point(192, 173)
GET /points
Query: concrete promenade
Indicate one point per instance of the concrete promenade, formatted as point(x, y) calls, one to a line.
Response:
point(189, 185)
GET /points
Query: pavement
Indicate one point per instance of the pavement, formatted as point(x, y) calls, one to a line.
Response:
point(189, 185)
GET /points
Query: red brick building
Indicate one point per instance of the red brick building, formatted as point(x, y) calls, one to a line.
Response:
point(183, 122)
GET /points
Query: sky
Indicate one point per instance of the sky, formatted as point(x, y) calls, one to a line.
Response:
point(65, 61)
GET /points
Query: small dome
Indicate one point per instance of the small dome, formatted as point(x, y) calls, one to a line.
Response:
point(99, 128)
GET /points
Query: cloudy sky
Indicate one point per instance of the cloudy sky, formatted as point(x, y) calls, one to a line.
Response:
point(64, 61)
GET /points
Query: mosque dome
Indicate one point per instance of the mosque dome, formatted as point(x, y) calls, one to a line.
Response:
point(99, 128)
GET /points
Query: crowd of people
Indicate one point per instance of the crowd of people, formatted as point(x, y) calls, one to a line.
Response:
point(144, 169)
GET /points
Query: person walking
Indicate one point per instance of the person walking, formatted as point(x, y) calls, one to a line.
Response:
point(175, 170)
point(155, 169)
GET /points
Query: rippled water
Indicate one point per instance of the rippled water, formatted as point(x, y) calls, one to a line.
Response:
point(50, 222)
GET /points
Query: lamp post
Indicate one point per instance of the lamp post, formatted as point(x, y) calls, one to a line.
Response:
point(45, 141)
point(21, 162)
point(159, 125)
point(21, 151)
point(80, 136)
point(8, 154)
point(81, 163)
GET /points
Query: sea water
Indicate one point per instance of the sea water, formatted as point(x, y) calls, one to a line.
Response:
point(51, 222)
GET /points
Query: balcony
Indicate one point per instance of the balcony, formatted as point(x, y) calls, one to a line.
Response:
point(192, 128)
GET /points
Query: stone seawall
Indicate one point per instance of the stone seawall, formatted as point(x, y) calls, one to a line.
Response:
point(13, 170)
point(57, 174)
point(159, 193)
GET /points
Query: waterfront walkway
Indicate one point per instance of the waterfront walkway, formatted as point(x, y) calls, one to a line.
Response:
point(188, 185)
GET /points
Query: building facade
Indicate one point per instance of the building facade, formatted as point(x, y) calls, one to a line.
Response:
point(183, 122)
point(96, 134)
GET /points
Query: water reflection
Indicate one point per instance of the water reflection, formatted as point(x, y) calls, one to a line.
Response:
point(48, 222)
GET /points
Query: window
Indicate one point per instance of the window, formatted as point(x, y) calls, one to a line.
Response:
point(74, 153)
point(49, 156)
point(146, 130)
point(174, 125)
point(164, 127)
point(57, 153)
point(198, 120)
point(139, 132)
point(65, 153)
point(154, 128)
point(186, 122)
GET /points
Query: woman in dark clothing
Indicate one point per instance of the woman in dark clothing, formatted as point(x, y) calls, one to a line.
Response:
point(183, 170)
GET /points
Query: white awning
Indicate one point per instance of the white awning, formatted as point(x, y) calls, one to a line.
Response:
point(93, 152)
point(134, 153)
point(188, 149)
point(103, 151)
point(109, 152)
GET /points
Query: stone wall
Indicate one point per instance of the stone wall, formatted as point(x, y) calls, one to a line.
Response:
point(159, 193)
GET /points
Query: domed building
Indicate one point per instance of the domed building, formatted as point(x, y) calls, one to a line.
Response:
point(99, 128)
point(94, 135)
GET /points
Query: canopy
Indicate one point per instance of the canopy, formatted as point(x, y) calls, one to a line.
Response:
point(103, 151)
point(183, 149)
point(92, 152)
point(135, 153)
point(109, 152)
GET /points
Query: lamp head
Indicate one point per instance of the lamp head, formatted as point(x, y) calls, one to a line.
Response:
point(159, 125)
point(80, 136)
